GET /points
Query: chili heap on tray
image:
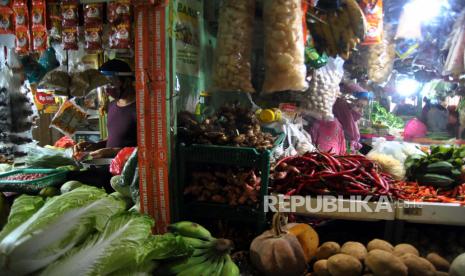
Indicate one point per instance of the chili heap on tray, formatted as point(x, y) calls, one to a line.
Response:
point(23, 177)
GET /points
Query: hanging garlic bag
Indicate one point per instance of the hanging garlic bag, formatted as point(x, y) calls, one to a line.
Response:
point(232, 66)
point(284, 46)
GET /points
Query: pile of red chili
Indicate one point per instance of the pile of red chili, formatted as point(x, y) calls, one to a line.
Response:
point(413, 192)
point(323, 173)
point(23, 177)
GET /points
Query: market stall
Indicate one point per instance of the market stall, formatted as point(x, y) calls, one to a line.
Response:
point(234, 137)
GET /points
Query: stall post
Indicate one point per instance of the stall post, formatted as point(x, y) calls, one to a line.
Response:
point(152, 111)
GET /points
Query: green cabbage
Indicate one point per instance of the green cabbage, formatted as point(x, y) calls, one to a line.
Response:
point(119, 246)
point(23, 208)
point(63, 222)
point(145, 269)
point(162, 247)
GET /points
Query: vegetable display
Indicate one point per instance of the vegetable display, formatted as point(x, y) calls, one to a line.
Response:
point(379, 257)
point(323, 173)
point(414, 192)
point(210, 255)
point(232, 126)
point(441, 168)
point(238, 187)
point(23, 177)
point(88, 232)
point(381, 118)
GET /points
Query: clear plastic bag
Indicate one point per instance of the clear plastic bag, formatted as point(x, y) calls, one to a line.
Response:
point(324, 90)
point(68, 118)
point(232, 67)
point(284, 46)
point(297, 142)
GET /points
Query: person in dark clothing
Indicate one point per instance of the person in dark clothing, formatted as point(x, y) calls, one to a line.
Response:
point(122, 116)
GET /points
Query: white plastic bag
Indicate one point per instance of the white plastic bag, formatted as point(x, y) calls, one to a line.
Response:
point(297, 142)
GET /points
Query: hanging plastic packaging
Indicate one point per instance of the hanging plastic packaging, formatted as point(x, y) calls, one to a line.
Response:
point(120, 37)
point(54, 20)
point(373, 11)
point(232, 67)
point(118, 11)
point(324, 90)
point(284, 46)
point(21, 13)
point(39, 38)
point(70, 39)
point(68, 118)
point(93, 14)
point(6, 20)
point(38, 13)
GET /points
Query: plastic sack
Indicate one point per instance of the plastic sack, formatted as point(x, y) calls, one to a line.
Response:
point(284, 46)
point(64, 142)
point(68, 118)
point(414, 129)
point(297, 142)
point(232, 66)
point(39, 157)
point(117, 164)
point(57, 80)
point(324, 90)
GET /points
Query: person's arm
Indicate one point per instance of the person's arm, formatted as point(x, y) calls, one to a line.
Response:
point(105, 153)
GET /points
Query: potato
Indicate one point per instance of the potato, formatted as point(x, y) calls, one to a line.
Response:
point(439, 262)
point(418, 266)
point(327, 250)
point(380, 244)
point(404, 248)
point(383, 263)
point(344, 265)
point(354, 249)
point(320, 268)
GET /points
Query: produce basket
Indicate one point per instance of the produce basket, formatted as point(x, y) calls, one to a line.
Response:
point(229, 156)
point(52, 177)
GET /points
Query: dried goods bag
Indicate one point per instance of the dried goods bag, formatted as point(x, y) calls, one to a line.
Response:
point(68, 118)
point(232, 66)
point(284, 46)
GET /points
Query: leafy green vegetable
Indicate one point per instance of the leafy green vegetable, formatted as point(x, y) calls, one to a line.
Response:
point(117, 247)
point(63, 222)
point(166, 246)
point(380, 116)
point(144, 269)
point(23, 208)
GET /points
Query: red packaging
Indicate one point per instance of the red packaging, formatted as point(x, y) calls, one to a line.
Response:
point(39, 38)
point(93, 14)
point(373, 11)
point(38, 13)
point(93, 38)
point(120, 37)
point(6, 20)
point(119, 11)
point(70, 13)
point(117, 164)
point(70, 38)
point(21, 13)
point(54, 20)
point(22, 40)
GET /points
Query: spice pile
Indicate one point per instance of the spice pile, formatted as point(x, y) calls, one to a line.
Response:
point(323, 173)
point(234, 187)
point(23, 177)
point(414, 192)
point(232, 126)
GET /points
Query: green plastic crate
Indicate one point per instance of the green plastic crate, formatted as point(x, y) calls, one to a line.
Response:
point(224, 155)
point(54, 177)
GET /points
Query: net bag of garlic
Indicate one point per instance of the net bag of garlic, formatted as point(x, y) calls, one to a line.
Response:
point(232, 67)
point(324, 89)
point(284, 46)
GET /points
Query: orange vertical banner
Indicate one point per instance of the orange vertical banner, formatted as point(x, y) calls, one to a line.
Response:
point(151, 108)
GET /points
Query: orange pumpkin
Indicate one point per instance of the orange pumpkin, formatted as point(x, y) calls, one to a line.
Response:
point(276, 252)
point(307, 236)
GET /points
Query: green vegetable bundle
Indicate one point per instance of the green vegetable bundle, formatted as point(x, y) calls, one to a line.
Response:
point(442, 168)
point(82, 232)
point(381, 117)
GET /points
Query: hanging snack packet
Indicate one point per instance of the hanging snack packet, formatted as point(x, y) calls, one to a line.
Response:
point(38, 13)
point(232, 67)
point(120, 37)
point(118, 11)
point(21, 13)
point(54, 20)
point(373, 11)
point(70, 39)
point(93, 38)
point(69, 13)
point(39, 38)
point(6, 20)
point(22, 40)
point(93, 14)
point(68, 118)
point(284, 46)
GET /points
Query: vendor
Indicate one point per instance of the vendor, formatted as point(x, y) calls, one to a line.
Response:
point(348, 114)
point(437, 117)
point(122, 116)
